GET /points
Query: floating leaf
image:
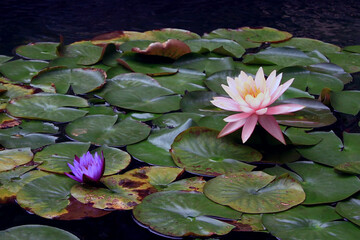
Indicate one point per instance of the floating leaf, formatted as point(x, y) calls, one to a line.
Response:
point(350, 62)
point(221, 46)
point(298, 136)
point(4, 59)
point(176, 213)
point(354, 48)
point(16, 90)
point(349, 167)
point(300, 223)
point(350, 209)
point(28, 134)
point(12, 158)
point(22, 71)
point(332, 69)
point(85, 52)
point(39, 50)
point(308, 44)
point(172, 48)
point(175, 119)
point(322, 184)
point(105, 129)
point(255, 192)
point(346, 101)
point(51, 107)
point(36, 232)
point(199, 102)
point(7, 121)
point(249, 223)
point(199, 151)
point(187, 184)
point(81, 80)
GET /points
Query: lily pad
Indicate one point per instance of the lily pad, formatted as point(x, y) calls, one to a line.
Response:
point(22, 71)
point(214, 81)
point(81, 80)
point(350, 62)
point(308, 44)
point(28, 134)
point(175, 119)
point(322, 184)
point(39, 50)
point(199, 151)
point(255, 192)
point(221, 46)
point(331, 151)
point(302, 223)
point(105, 129)
point(139, 92)
point(16, 90)
point(332, 69)
point(7, 121)
point(346, 101)
point(176, 213)
point(350, 209)
point(354, 48)
point(349, 167)
point(12, 158)
point(172, 48)
point(187, 184)
point(199, 102)
point(51, 107)
point(249, 223)
point(312, 82)
point(315, 114)
point(298, 136)
point(4, 58)
point(85, 52)
point(36, 232)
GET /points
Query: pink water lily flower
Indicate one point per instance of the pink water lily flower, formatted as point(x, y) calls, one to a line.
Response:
point(252, 98)
point(87, 168)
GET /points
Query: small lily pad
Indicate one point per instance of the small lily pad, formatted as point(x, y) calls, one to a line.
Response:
point(302, 223)
point(84, 52)
point(191, 216)
point(350, 209)
point(105, 129)
point(199, 151)
point(12, 158)
point(22, 71)
point(39, 50)
point(51, 107)
point(255, 192)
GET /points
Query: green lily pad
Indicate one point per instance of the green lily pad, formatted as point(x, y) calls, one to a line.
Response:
point(187, 184)
point(199, 151)
point(36, 232)
point(249, 223)
point(199, 102)
point(175, 119)
point(308, 44)
point(331, 69)
point(221, 46)
point(22, 71)
point(255, 192)
point(141, 116)
point(28, 134)
point(302, 223)
point(185, 80)
point(315, 114)
point(51, 107)
point(16, 90)
point(253, 68)
point(104, 129)
point(350, 209)
point(82, 80)
point(12, 158)
point(346, 101)
point(354, 48)
point(331, 151)
point(67, 62)
point(128, 46)
point(13, 180)
point(215, 122)
point(155, 150)
point(139, 92)
point(350, 62)
point(47, 196)
point(281, 56)
point(312, 82)
point(322, 184)
point(298, 136)
point(85, 52)
point(39, 50)
point(349, 167)
point(4, 58)
point(294, 93)
point(189, 217)
point(214, 81)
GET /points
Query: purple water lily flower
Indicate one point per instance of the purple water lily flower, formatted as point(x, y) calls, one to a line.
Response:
point(87, 168)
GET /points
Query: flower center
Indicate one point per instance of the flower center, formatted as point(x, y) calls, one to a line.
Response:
point(252, 91)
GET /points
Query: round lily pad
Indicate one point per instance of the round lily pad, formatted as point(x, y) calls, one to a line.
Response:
point(105, 129)
point(85, 52)
point(176, 213)
point(350, 209)
point(11, 158)
point(308, 44)
point(298, 136)
point(39, 50)
point(303, 223)
point(199, 102)
point(32, 134)
point(332, 69)
point(350, 62)
point(51, 107)
point(255, 192)
point(82, 80)
point(36, 232)
point(199, 151)
point(22, 71)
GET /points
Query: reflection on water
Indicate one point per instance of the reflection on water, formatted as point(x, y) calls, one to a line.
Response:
point(331, 21)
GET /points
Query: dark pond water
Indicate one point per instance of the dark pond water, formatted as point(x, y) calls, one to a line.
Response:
point(336, 22)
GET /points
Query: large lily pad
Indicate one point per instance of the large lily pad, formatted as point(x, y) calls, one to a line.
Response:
point(199, 151)
point(52, 107)
point(221, 46)
point(139, 92)
point(331, 151)
point(350, 62)
point(105, 129)
point(255, 192)
point(84, 52)
point(298, 136)
point(308, 44)
point(28, 134)
point(322, 184)
point(22, 71)
point(346, 101)
point(12, 158)
point(177, 213)
point(350, 209)
point(4, 58)
point(81, 80)
point(39, 50)
point(199, 102)
point(36, 232)
point(332, 69)
point(303, 223)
